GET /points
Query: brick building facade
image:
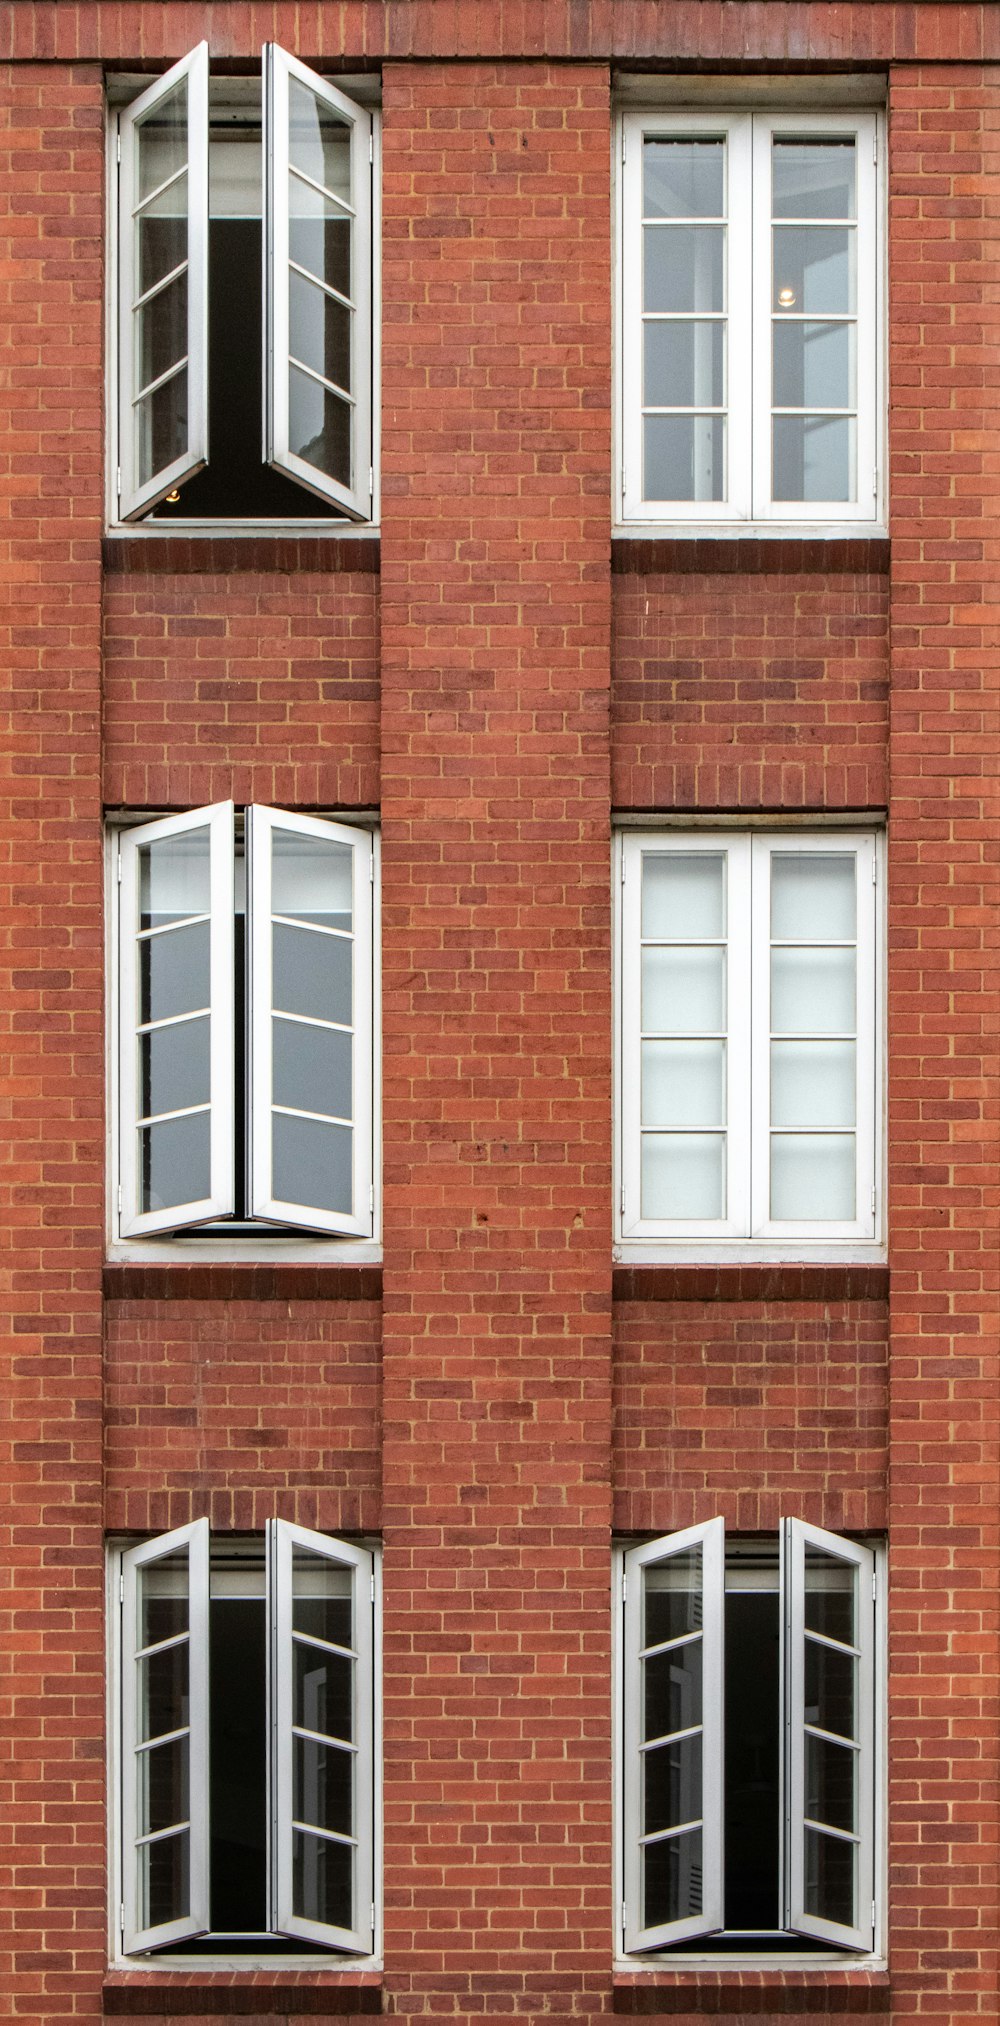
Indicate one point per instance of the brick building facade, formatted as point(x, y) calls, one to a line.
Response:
point(496, 1394)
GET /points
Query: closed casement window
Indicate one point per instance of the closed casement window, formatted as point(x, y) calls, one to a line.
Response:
point(749, 1037)
point(238, 399)
point(750, 348)
point(748, 1678)
point(245, 1045)
point(245, 1727)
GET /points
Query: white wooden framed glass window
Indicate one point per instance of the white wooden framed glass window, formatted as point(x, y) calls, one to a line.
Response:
point(216, 178)
point(246, 1778)
point(750, 324)
point(749, 1700)
point(749, 1037)
point(244, 1044)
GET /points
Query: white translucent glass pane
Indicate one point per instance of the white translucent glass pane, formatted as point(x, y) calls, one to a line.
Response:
point(319, 329)
point(174, 879)
point(684, 990)
point(175, 1162)
point(683, 178)
point(683, 1175)
point(814, 364)
point(814, 179)
point(319, 235)
point(683, 1083)
point(319, 141)
point(174, 1067)
point(672, 1595)
point(814, 270)
point(175, 972)
point(312, 1068)
point(684, 457)
point(813, 1177)
point(160, 236)
point(813, 991)
point(161, 1593)
point(813, 897)
point(312, 879)
point(684, 267)
point(684, 363)
point(162, 140)
point(684, 895)
point(813, 1083)
point(814, 457)
point(312, 974)
point(830, 1598)
point(312, 1163)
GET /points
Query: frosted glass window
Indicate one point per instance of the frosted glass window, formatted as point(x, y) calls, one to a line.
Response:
point(812, 1177)
point(683, 896)
point(683, 990)
point(813, 897)
point(683, 1176)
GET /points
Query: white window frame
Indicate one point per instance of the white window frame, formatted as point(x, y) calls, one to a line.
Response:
point(748, 1231)
point(749, 503)
point(128, 503)
point(134, 1946)
point(631, 1940)
point(133, 1233)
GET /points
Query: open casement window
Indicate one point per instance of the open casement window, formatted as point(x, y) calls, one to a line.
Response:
point(163, 285)
point(175, 1021)
point(321, 1594)
point(317, 154)
point(310, 889)
point(829, 1686)
point(673, 1737)
point(750, 361)
point(750, 1010)
point(164, 1739)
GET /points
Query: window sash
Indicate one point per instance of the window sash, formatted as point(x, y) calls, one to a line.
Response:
point(283, 1539)
point(354, 498)
point(136, 1936)
point(796, 1537)
point(135, 494)
point(636, 1562)
point(264, 1203)
point(218, 819)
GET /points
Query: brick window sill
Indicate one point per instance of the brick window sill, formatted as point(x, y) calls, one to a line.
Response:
point(224, 555)
point(748, 1993)
point(252, 1280)
point(766, 1281)
point(206, 1994)
point(648, 555)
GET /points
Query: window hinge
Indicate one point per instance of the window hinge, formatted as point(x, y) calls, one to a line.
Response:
point(874, 1187)
point(121, 1918)
point(371, 481)
point(874, 1583)
point(119, 1199)
point(874, 869)
point(623, 143)
point(875, 481)
point(118, 145)
point(873, 1917)
point(119, 861)
point(371, 148)
point(624, 1916)
point(118, 485)
point(624, 1586)
point(624, 864)
point(121, 1586)
point(621, 1201)
point(371, 868)
point(373, 1916)
point(371, 1585)
point(371, 1196)
point(875, 146)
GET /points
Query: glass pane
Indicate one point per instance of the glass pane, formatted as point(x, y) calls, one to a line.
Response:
point(313, 1068)
point(160, 422)
point(830, 1596)
point(161, 237)
point(323, 1785)
point(830, 1890)
point(813, 1177)
point(672, 1696)
point(683, 1175)
point(311, 879)
point(813, 897)
point(312, 974)
point(814, 179)
point(312, 1163)
point(164, 1879)
point(683, 895)
point(161, 139)
point(813, 1083)
point(684, 457)
point(683, 1083)
point(164, 1791)
point(322, 1698)
point(319, 426)
point(683, 179)
point(683, 267)
point(319, 141)
point(319, 236)
point(684, 990)
point(672, 1784)
point(161, 337)
point(684, 364)
point(174, 879)
point(814, 365)
point(162, 1598)
point(319, 330)
point(831, 1794)
point(322, 1875)
point(175, 973)
point(174, 1067)
point(321, 1598)
point(813, 270)
point(175, 1161)
point(814, 457)
point(672, 1598)
point(672, 1879)
point(163, 1702)
point(813, 991)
